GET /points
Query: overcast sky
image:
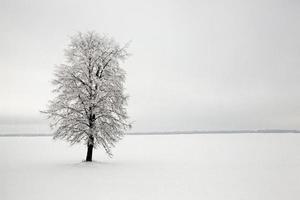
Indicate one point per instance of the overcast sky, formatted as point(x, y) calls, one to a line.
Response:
point(195, 64)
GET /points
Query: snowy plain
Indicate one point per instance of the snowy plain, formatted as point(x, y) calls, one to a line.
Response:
point(199, 166)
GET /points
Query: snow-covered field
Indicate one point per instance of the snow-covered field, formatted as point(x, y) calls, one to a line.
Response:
point(206, 166)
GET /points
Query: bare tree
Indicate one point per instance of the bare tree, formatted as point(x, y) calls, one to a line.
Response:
point(90, 101)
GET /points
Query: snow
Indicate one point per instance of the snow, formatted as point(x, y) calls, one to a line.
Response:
point(204, 166)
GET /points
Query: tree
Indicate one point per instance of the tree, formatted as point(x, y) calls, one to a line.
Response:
point(90, 104)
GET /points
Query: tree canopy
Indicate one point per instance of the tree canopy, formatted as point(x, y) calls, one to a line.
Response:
point(90, 104)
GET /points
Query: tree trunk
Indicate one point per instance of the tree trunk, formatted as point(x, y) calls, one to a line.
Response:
point(90, 147)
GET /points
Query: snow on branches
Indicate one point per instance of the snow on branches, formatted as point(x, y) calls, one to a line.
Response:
point(90, 104)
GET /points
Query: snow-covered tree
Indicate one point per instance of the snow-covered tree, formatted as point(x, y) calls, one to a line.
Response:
point(90, 104)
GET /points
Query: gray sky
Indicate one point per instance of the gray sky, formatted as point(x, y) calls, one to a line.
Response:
point(194, 65)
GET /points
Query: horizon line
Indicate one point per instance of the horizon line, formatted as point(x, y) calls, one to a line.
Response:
point(172, 132)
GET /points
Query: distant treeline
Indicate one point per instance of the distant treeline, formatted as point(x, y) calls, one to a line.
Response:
point(169, 132)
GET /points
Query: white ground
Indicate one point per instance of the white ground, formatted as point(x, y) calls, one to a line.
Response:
point(219, 166)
